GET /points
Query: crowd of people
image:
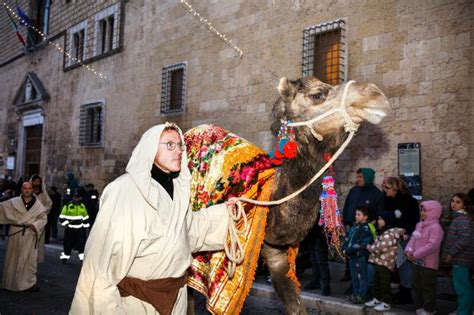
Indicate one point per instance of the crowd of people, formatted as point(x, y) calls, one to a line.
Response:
point(137, 262)
point(29, 217)
point(388, 236)
point(391, 239)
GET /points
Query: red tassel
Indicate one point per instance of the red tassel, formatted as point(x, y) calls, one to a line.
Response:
point(327, 157)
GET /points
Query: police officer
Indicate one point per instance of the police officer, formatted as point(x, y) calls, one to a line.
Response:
point(75, 219)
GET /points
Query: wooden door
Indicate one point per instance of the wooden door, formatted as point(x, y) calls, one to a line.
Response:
point(34, 135)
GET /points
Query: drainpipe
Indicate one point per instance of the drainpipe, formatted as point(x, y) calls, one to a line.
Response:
point(46, 18)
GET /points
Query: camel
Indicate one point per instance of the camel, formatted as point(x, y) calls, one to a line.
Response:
point(289, 223)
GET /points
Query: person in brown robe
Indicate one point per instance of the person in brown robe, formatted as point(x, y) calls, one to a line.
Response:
point(27, 217)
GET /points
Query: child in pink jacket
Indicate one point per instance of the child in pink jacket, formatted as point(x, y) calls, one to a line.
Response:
point(423, 250)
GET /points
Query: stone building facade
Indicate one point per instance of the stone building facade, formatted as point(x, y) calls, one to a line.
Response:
point(64, 117)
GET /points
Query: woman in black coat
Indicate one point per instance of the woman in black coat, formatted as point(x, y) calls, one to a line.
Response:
point(400, 201)
point(407, 214)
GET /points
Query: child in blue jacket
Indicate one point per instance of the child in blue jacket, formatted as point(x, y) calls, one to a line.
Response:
point(355, 248)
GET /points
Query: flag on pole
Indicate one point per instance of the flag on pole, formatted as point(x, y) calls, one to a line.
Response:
point(25, 20)
point(15, 28)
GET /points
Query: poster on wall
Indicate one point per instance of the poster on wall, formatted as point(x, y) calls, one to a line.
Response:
point(409, 167)
point(10, 163)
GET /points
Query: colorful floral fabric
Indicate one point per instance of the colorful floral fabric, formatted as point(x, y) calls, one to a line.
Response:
point(224, 165)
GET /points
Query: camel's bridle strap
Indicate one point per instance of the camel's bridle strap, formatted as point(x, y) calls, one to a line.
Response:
point(349, 124)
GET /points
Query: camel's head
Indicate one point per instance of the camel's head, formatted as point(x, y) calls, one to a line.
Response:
point(307, 98)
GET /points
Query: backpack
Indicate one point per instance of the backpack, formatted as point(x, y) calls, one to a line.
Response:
point(373, 231)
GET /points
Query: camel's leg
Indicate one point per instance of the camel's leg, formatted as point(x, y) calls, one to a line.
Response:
point(277, 261)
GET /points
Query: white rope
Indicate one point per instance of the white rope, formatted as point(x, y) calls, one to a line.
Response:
point(349, 124)
point(235, 253)
point(235, 250)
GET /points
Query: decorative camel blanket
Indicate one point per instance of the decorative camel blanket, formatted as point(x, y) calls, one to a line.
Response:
point(224, 165)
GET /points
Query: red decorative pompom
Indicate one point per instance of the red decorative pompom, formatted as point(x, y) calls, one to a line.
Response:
point(290, 150)
point(277, 154)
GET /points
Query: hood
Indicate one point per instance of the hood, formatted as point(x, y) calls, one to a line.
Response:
point(141, 162)
point(433, 209)
point(71, 181)
point(389, 218)
point(369, 175)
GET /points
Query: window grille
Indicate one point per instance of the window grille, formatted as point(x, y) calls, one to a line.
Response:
point(173, 90)
point(325, 52)
point(92, 125)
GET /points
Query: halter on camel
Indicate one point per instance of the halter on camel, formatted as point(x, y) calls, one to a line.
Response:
point(234, 252)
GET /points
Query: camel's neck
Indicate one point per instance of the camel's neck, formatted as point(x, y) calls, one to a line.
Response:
point(301, 169)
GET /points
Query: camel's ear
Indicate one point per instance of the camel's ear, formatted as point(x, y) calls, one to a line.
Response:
point(288, 88)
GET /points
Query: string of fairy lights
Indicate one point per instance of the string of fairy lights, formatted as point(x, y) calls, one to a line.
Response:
point(59, 48)
point(210, 27)
point(190, 9)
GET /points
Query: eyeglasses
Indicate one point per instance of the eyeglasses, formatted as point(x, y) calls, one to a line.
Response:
point(170, 145)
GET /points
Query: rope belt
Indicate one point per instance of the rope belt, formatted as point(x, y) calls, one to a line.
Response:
point(22, 231)
point(234, 250)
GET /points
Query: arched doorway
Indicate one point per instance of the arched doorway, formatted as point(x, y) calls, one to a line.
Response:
point(29, 107)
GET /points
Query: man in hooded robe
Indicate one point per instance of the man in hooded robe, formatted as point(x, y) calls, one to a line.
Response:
point(39, 189)
point(27, 218)
point(140, 247)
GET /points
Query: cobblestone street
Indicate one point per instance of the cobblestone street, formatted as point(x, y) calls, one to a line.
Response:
point(57, 284)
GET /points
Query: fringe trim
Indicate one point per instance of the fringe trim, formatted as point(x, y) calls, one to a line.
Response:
point(237, 302)
point(292, 254)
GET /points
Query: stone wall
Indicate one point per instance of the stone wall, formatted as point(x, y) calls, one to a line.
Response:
point(63, 15)
point(418, 52)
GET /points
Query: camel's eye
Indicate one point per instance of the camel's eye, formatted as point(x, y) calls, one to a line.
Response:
point(317, 97)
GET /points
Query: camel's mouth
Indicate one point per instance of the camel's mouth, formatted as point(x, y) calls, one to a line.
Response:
point(376, 112)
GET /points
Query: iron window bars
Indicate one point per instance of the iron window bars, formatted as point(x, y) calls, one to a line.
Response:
point(325, 52)
point(173, 90)
point(91, 125)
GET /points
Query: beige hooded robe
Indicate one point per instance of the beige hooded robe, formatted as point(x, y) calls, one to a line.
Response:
point(142, 233)
point(19, 271)
point(43, 196)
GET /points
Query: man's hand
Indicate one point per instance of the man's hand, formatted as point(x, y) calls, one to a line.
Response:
point(231, 203)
